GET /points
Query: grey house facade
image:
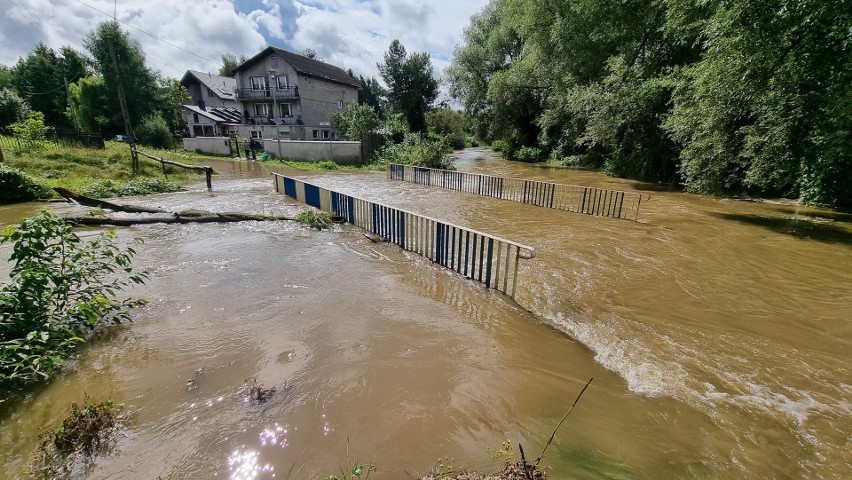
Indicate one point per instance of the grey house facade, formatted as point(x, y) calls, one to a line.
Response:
point(213, 110)
point(285, 96)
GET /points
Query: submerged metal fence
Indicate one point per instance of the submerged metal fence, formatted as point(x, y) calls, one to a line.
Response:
point(490, 260)
point(571, 198)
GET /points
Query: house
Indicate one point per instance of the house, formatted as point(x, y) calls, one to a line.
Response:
point(288, 96)
point(213, 110)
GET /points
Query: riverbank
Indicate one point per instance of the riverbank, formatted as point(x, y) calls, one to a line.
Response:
point(102, 173)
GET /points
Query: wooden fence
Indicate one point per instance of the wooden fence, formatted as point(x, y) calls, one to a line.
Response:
point(53, 141)
point(571, 198)
point(490, 260)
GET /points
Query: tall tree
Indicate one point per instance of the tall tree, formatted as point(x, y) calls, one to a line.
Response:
point(173, 95)
point(411, 85)
point(109, 46)
point(40, 78)
point(90, 104)
point(13, 108)
point(230, 63)
point(371, 93)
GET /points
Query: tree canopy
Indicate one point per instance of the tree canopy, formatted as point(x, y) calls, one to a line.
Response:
point(748, 97)
point(411, 85)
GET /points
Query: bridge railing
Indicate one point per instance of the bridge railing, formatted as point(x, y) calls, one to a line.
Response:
point(572, 198)
point(487, 259)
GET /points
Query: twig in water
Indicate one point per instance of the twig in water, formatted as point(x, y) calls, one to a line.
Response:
point(553, 435)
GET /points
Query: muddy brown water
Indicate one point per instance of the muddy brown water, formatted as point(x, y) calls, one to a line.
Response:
point(717, 331)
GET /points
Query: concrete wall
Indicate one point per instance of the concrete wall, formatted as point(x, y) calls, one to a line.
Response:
point(314, 151)
point(320, 98)
point(214, 145)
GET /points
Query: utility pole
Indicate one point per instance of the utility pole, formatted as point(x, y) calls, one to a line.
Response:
point(68, 94)
point(134, 157)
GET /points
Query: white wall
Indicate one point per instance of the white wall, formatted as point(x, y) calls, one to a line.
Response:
point(214, 145)
point(314, 151)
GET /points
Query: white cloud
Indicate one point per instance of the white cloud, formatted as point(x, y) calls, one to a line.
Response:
point(348, 33)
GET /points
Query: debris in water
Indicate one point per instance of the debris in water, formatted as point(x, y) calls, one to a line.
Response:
point(257, 393)
point(192, 383)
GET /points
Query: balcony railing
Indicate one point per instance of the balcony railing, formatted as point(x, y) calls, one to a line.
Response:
point(267, 94)
point(262, 120)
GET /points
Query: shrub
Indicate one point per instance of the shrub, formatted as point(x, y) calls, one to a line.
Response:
point(61, 290)
point(16, 186)
point(528, 154)
point(499, 145)
point(314, 218)
point(328, 165)
point(154, 132)
point(420, 151)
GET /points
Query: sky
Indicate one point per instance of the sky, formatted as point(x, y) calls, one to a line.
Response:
point(180, 35)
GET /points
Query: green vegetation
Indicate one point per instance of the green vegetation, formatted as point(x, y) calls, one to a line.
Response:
point(423, 151)
point(86, 432)
point(354, 473)
point(411, 85)
point(61, 290)
point(16, 186)
point(314, 218)
point(721, 97)
point(355, 120)
point(97, 173)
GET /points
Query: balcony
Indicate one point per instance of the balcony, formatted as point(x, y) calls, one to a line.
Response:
point(261, 120)
point(267, 94)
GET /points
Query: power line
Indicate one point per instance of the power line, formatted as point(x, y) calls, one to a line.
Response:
point(18, 24)
point(152, 35)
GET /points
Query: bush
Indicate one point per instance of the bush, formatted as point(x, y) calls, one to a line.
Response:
point(16, 186)
point(61, 290)
point(154, 132)
point(420, 151)
point(528, 154)
point(328, 165)
point(144, 186)
point(314, 218)
point(499, 145)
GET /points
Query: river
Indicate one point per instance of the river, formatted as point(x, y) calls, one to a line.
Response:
point(717, 332)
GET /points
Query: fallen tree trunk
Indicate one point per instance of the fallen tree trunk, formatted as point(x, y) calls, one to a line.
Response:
point(98, 203)
point(186, 216)
point(166, 216)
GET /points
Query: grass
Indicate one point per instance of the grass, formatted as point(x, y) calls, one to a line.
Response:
point(86, 170)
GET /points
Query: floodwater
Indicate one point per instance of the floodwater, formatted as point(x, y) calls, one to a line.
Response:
point(717, 332)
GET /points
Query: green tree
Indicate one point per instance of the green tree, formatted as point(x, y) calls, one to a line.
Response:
point(154, 131)
point(355, 120)
point(7, 77)
point(138, 81)
point(13, 108)
point(90, 104)
point(371, 93)
point(31, 128)
point(230, 63)
point(450, 124)
point(173, 96)
point(411, 85)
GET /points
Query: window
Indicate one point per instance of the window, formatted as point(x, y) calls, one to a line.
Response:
point(325, 134)
point(261, 109)
point(210, 93)
point(208, 130)
point(285, 109)
point(197, 131)
point(316, 133)
point(194, 118)
point(258, 83)
point(274, 60)
point(283, 82)
point(284, 132)
point(255, 134)
point(340, 104)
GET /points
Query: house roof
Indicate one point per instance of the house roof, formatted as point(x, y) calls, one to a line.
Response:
point(303, 65)
point(222, 87)
point(218, 114)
